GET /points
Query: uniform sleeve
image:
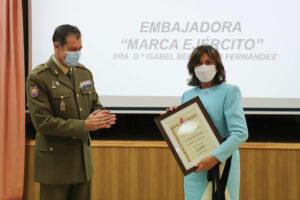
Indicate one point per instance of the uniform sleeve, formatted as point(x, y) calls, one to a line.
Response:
point(236, 124)
point(96, 102)
point(42, 116)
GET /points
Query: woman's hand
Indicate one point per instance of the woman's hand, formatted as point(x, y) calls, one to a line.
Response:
point(207, 163)
point(169, 109)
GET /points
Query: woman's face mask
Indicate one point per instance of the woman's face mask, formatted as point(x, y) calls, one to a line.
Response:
point(205, 73)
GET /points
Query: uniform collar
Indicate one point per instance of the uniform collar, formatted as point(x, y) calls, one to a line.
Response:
point(56, 70)
point(63, 68)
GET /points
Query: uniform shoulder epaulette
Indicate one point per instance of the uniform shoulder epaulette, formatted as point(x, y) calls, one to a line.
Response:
point(40, 68)
point(81, 66)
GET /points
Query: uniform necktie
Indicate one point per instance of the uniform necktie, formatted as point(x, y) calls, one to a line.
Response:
point(70, 75)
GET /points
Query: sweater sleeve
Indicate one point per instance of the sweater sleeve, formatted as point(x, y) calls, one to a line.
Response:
point(236, 125)
point(182, 99)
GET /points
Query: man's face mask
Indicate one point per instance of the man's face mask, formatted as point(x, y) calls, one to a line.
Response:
point(72, 57)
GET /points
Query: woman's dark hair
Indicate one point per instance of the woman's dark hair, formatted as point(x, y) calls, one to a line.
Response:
point(194, 60)
point(63, 31)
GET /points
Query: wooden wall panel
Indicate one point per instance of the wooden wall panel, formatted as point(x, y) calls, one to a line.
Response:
point(31, 189)
point(136, 170)
point(136, 173)
point(270, 174)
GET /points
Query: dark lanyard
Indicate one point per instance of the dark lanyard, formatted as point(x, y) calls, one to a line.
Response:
point(214, 176)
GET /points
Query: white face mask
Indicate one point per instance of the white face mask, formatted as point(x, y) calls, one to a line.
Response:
point(205, 73)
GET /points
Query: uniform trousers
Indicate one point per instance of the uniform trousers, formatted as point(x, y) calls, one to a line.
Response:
point(79, 191)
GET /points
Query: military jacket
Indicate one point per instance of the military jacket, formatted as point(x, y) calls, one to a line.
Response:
point(58, 110)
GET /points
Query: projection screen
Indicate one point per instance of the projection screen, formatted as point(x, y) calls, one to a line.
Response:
point(138, 50)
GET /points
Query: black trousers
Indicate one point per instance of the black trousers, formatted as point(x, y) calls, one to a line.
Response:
point(80, 191)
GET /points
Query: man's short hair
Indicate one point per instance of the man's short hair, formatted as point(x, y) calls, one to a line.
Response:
point(63, 31)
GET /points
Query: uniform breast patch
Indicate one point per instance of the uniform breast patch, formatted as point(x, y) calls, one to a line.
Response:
point(34, 91)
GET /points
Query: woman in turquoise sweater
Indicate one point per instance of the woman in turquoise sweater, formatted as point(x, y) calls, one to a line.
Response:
point(223, 104)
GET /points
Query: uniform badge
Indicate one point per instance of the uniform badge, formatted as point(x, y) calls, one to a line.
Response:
point(34, 91)
point(62, 106)
point(55, 83)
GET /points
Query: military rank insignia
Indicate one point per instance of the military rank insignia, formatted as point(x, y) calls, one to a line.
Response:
point(34, 91)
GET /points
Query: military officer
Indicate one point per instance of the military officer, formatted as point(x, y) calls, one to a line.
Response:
point(64, 107)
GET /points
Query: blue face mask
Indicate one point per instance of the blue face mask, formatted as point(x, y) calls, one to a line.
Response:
point(72, 58)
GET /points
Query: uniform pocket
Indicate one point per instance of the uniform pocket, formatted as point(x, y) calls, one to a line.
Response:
point(54, 147)
point(63, 104)
point(87, 90)
point(87, 95)
point(60, 95)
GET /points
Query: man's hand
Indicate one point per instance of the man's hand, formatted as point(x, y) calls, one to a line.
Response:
point(207, 163)
point(99, 119)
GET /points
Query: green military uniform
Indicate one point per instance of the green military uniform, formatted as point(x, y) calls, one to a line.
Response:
point(58, 111)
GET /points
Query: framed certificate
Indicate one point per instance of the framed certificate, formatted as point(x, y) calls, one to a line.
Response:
point(190, 134)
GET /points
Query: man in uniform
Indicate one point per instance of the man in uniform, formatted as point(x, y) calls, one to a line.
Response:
point(64, 107)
